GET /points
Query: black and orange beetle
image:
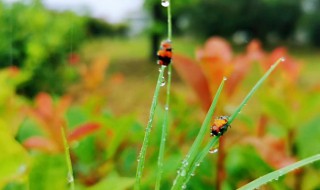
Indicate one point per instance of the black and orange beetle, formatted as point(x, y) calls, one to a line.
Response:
point(220, 126)
point(165, 53)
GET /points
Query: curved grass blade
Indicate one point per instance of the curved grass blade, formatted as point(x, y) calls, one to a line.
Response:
point(278, 173)
point(68, 159)
point(145, 143)
point(253, 90)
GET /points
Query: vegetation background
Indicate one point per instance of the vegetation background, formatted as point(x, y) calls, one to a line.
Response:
point(96, 79)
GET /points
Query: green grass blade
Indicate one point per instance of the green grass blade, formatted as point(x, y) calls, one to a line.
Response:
point(68, 159)
point(169, 21)
point(164, 131)
point(254, 89)
point(166, 114)
point(194, 150)
point(278, 173)
point(143, 151)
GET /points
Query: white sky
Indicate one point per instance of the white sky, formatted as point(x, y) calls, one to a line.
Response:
point(112, 10)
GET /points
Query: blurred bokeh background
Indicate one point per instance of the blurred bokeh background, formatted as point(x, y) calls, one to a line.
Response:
point(90, 67)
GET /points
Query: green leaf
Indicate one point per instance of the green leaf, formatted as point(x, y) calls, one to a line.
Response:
point(13, 158)
point(48, 173)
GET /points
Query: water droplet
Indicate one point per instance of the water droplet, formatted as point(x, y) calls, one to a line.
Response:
point(212, 151)
point(198, 164)
point(225, 78)
point(192, 174)
point(282, 59)
point(70, 178)
point(166, 107)
point(163, 81)
point(183, 173)
point(184, 186)
point(165, 3)
point(22, 168)
point(138, 160)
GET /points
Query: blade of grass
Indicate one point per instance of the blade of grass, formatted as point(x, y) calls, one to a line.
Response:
point(164, 132)
point(193, 152)
point(278, 173)
point(142, 154)
point(68, 159)
point(258, 84)
point(166, 114)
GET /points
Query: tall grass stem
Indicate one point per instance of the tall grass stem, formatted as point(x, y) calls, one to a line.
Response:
point(70, 177)
point(142, 154)
point(278, 173)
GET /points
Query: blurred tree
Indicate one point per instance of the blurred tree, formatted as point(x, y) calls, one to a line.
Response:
point(100, 28)
point(258, 18)
point(38, 41)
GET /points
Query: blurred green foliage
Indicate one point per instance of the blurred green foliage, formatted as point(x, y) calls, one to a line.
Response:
point(100, 28)
point(38, 41)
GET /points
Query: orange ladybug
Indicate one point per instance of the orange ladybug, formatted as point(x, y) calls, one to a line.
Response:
point(220, 126)
point(165, 53)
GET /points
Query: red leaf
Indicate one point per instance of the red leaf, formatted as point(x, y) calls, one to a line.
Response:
point(192, 74)
point(215, 49)
point(44, 105)
point(40, 143)
point(83, 131)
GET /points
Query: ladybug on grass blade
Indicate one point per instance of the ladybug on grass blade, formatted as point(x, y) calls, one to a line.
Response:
point(165, 53)
point(220, 126)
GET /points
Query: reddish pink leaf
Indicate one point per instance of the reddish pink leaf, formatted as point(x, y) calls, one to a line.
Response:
point(241, 66)
point(83, 131)
point(40, 143)
point(44, 105)
point(192, 74)
point(255, 51)
point(272, 150)
point(216, 49)
point(290, 66)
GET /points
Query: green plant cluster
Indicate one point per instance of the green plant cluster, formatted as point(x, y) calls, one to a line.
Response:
point(38, 41)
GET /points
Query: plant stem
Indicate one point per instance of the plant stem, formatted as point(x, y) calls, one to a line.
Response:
point(166, 113)
point(68, 159)
point(194, 150)
point(164, 132)
point(278, 173)
point(143, 151)
point(169, 21)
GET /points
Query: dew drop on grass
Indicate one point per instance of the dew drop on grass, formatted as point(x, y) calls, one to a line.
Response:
point(184, 186)
point(214, 150)
point(165, 3)
point(192, 174)
point(163, 81)
point(70, 178)
point(225, 78)
point(282, 59)
point(183, 173)
point(166, 107)
point(22, 168)
point(198, 164)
